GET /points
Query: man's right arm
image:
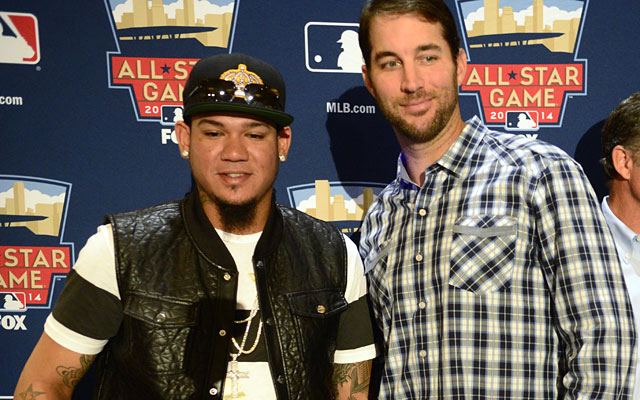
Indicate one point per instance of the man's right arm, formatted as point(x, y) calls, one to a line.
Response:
point(51, 372)
point(87, 313)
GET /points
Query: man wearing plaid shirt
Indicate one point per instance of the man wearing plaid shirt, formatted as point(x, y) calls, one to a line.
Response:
point(491, 270)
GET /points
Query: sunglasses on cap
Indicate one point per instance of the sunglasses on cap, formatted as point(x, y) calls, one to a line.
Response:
point(223, 91)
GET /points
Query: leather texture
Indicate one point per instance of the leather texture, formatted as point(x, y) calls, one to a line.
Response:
point(178, 285)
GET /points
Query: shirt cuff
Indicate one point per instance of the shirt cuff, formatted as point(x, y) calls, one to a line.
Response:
point(355, 355)
point(72, 340)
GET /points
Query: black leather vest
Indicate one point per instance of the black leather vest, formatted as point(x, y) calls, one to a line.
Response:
point(178, 287)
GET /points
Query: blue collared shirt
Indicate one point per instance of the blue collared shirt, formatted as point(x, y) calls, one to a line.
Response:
point(628, 246)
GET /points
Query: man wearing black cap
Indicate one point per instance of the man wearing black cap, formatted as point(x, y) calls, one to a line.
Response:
point(223, 294)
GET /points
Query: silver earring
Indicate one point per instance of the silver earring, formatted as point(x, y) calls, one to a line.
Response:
point(282, 158)
point(185, 154)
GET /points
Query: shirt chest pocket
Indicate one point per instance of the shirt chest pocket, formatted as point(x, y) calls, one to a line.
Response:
point(482, 253)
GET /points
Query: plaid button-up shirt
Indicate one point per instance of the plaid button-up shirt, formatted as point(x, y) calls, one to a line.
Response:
point(498, 278)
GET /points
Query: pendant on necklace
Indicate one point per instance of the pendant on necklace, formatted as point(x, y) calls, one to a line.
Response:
point(234, 374)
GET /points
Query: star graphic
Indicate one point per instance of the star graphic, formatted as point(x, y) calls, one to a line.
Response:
point(165, 69)
point(29, 394)
point(512, 75)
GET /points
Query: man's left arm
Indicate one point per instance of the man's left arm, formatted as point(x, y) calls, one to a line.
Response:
point(351, 381)
point(593, 314)
point(355, 346)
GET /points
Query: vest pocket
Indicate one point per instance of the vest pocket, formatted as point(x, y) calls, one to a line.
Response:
point(482, 253)
point(160, 329)
point(320, 303)
point(315, 320)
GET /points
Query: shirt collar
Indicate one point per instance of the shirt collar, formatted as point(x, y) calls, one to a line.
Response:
point(457, 156)
point(622, 234)
point(401, 170)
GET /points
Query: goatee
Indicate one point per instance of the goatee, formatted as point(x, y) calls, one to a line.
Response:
point(236, 218)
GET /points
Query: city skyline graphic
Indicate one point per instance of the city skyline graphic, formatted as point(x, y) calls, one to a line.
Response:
point(41, 205)
point(208, 21)
point(344, 203)
point(493, 23)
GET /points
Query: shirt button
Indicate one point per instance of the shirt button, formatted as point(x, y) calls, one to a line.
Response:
point(213, 391)
point(281, 379)
point(419, 257)
point(422, 305)
point(422, 212)
point(423, 353)
point(222, 332)
point(227, 277)
point(321, 309)
point(260, 264)
point(161, 317)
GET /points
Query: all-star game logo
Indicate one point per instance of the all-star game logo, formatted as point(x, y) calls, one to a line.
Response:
point(344, 204)
point(535, 43)
point(148, 33)
point(32, 255)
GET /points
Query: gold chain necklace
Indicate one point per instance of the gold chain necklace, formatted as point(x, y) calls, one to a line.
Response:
point(240, 347)
point(234, 373)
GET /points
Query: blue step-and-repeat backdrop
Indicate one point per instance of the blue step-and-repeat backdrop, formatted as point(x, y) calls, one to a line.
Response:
point(89, 92)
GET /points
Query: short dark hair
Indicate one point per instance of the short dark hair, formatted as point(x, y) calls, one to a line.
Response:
point(431, 10)
point(622, 128)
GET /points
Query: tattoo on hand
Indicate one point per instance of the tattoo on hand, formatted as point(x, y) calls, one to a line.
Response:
point(29, 394)
point(71, 375)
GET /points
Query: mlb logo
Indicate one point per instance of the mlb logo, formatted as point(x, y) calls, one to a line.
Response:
point(19, 39)
point(521, 121)
point(13, 301)
point(171, 115)
point(332, 47)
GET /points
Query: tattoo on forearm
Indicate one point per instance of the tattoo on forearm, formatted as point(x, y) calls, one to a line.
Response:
point(356, 375)
point(72, 375)
point(360, 377)
point(29, 394)
point(341, 373)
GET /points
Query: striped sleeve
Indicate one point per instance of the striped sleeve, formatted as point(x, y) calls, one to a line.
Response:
point(88, 311)
point(355, 334)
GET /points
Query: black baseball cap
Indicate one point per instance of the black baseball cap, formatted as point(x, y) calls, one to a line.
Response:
point(236, 83)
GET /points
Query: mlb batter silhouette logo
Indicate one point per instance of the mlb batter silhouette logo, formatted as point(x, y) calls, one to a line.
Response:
point(19, 38)
point(522, 121)
point(171, 115)
point(332, 47)
point(12, 301)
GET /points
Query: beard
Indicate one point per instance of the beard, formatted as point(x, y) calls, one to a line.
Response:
point(236, 218)
point(428, 131)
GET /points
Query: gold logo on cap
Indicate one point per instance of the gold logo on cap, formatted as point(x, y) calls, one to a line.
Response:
point(241, 77)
